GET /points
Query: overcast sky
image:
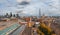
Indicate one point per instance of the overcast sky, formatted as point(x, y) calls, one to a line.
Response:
point(47, 7)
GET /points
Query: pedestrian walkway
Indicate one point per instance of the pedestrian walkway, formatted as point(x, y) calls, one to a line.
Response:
point(9, 29)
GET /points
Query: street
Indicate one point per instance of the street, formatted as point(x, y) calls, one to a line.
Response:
point(27, 31)
point(19, 30)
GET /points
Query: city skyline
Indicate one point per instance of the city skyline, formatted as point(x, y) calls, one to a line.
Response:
point(48, 7)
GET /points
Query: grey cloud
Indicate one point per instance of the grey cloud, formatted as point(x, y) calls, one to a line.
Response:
point(23, 3)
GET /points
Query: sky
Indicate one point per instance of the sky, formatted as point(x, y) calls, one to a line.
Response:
point(30, 7)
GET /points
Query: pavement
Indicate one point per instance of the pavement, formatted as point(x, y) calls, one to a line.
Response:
point(5, 24)
point(6, 31)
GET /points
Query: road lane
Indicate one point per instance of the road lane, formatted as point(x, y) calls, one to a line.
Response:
point(19, 30)
point(27, 31)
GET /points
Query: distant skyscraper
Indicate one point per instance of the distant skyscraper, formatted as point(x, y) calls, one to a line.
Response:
point(39, 13)
point(14, 15)
point(17, 15)
point(7, 14)
point(10, 14)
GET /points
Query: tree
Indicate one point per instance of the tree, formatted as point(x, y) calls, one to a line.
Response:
point(45, 29)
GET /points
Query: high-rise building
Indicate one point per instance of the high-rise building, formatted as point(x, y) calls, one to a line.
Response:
point(17, 15)
point(7, 15)
point(39, 13)
point(14, 15)
point(10, 14)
